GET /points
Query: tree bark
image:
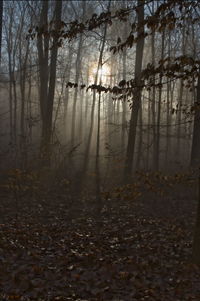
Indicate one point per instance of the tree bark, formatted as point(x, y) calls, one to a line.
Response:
point(47, 80)
point(52, 77)
point(1, 18)
point(43, 57)
point(157, 146)
point(196, 240)
point(77, 76)
point(137, 92)
point(195, 153)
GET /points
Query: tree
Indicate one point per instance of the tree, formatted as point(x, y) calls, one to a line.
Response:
point(137, 92)
point(77, 76)
point(1, 17)
point(195, 162)
point(48, 79)
point(12, 30)
point(195, 158)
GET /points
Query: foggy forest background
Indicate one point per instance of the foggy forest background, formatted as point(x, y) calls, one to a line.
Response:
point(100, 150)
point(90, 129)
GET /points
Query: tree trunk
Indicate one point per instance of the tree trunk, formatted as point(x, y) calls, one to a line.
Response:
point(66, 97)
point(47, 81)
point(23, 73)
point(140, 140)
point(195, 162)
point(168, 129)
point(157, 147)
point(180, 99)
point(196, 240)
point(87, 151)
point(1, 18)
point(124, 104)
point(52, 79)
point(195, 153)
point(137, 92)
point(78, 68)
point(43, 56)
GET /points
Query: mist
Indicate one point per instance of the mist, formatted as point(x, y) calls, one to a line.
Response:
point(99, 108)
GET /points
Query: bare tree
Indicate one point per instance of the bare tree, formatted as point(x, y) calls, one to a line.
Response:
point(1, 18)
point(195, 158)
point(47, 79)
point(138, 91)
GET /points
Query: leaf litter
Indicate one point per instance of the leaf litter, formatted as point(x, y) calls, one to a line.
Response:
point(131, 251)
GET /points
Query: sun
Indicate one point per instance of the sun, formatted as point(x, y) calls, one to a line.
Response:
point(104, 72)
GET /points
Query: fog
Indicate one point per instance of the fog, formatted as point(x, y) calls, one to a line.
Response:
point(99, 150)
point(89, 125)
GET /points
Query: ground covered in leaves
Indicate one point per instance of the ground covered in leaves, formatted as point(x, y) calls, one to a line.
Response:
point(58, 249)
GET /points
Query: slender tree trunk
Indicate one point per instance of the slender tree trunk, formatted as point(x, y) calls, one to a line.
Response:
point(43, 57)
point(157, 156)
point(52, 76)
point(180, 100)
point(15, 109)
point(29, 110)
point(87, 98)
point(168, 129)
point(87, 151)
point(23, 73)
point(12, 45)
point(47, 89)
point(137, 92)
point(140, 139)
point(81, 115)
point(148, 131)
point(124, 104)
point(66, 97)
point(77, 76)
point(196, 239)
point(97, 165)
point(1, 18)
point(195, 153)
point(10, 99)
point(110, 105)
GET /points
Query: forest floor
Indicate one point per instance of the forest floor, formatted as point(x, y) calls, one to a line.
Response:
point(52, 249)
